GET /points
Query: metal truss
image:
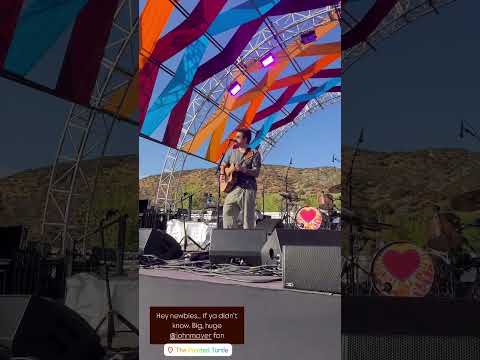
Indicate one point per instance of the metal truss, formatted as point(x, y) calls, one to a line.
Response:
point(68, 205)
point(402, 14)
point(288, 28)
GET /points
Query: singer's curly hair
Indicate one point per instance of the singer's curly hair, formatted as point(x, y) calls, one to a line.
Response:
point(247, 133)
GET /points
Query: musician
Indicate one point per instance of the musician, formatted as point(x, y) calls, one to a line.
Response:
point(242, 198)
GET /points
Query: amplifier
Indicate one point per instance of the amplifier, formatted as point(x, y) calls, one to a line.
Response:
point(311, 260)
point(249, 247)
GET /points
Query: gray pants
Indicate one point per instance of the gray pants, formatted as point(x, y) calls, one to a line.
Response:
point(239, 201)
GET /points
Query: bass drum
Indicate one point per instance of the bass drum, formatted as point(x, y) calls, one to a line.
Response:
point(309, 218)
point(402, 269)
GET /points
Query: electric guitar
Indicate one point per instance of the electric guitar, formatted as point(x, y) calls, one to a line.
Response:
point(231, 175)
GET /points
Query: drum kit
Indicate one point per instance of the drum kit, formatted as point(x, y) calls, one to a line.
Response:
point(323, 217)
point(447, 266)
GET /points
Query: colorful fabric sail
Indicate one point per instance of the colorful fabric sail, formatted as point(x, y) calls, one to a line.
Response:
point(9, 15)
point(36, 23)
point(220, 24)
point(319, 91)
point(85, 51)
point(263, 131)
point(230, 53)
point(368, 24)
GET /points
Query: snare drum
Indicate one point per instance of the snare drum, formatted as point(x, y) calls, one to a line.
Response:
point(309, 218)
point(402, 269)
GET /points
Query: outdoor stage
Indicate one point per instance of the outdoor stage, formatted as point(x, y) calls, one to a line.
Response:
point(279, 323)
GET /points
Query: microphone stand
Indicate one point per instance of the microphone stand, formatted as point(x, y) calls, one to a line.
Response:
point(112, 314)
point(287, 213)
point(263, 201)
point(351, 273)
point(184, 220)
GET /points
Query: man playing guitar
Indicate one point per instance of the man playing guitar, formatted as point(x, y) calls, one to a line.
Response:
point(241, 199)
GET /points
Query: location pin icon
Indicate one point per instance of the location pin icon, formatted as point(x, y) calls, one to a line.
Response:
point(170, 349)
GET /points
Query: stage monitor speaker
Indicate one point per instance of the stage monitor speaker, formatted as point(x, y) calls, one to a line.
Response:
point(269, 224)
point(249, 247)
point(160, 244)
point(10, 240)
point(35, 327)
point(311, 260)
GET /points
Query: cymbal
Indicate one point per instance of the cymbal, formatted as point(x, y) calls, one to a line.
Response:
point(469, 201)
point(289, 196)
point(335, 189)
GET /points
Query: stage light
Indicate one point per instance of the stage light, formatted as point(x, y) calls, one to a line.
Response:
point(234, 88)
point(267, 60)
point(308, 37)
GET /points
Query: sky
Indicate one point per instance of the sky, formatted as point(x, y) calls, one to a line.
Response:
point(414, 90)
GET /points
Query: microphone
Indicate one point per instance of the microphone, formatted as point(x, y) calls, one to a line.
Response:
point(291, 161)
point(462, 130)
point(360, 138)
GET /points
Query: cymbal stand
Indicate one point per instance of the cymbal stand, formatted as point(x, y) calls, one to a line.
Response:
point(287, 210)
point(351, 270)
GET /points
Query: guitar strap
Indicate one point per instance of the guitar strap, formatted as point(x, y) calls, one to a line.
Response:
point(244, 156)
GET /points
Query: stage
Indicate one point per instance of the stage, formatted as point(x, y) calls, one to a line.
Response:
point(280, 324)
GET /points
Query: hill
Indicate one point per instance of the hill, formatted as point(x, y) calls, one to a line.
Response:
point(22, 195)
point(401, 188)
point(306, 182)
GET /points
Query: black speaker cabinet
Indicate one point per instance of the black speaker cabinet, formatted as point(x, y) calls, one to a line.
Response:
point(249, 247)
point(160, 244)
point(393, 328)
point(45, 330)
point(311, 260)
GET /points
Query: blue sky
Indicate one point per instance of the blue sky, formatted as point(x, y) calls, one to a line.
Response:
point(311, 143)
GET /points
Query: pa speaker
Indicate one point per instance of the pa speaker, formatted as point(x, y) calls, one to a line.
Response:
point(160, 244)
point(249, 247)
point(311, 260)
point(35, 327)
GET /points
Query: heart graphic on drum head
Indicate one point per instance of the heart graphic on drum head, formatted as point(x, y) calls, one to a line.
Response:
point(308, 215)
point(401, 264)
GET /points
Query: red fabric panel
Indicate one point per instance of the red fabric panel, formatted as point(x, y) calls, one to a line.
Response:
point(9, 14)
point(85, 50)
point(328, 73)
point(188, 31)
point(287, 94)
point(293, 114)
point(368, 24)
point(290, 117)
point(183, 35)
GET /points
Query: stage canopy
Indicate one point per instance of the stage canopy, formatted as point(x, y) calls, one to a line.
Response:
point(220, 65)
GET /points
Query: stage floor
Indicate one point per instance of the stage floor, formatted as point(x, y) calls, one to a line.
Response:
point(280, 324)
